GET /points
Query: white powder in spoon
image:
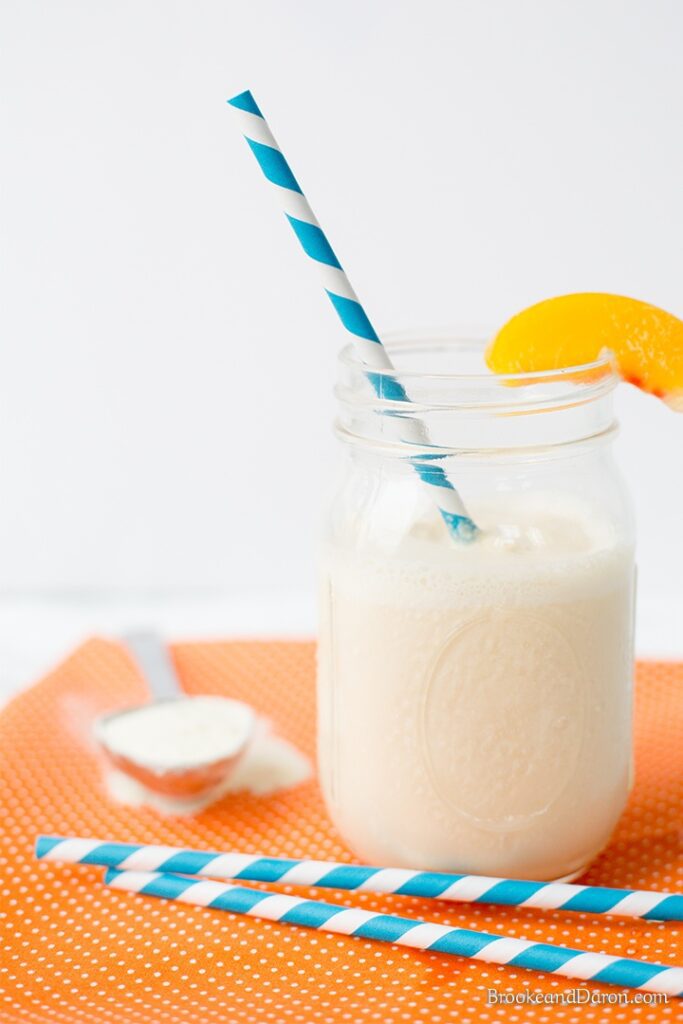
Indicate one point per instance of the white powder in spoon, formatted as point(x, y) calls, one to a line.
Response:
point(269, 764)
point(188, 733)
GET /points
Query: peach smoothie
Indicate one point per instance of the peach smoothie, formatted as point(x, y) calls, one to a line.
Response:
point(475, 700)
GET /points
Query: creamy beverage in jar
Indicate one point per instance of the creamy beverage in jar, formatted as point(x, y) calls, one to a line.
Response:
point(475, 692)
point(475, 700)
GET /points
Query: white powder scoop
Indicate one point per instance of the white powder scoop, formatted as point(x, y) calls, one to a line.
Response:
point(176, 745)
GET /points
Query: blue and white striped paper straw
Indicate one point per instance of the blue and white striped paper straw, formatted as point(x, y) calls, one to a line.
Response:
point(589, 899)
point(437, 938)
point(353, 317)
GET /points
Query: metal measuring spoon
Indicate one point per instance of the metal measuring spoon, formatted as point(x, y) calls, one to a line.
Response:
point(185, 778)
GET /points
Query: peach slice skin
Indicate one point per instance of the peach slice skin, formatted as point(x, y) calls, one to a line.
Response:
point(570, 330)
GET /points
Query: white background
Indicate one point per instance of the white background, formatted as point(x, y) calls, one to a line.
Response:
point(167, 356)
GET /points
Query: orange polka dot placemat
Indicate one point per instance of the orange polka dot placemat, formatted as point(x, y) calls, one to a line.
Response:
point(73, 951)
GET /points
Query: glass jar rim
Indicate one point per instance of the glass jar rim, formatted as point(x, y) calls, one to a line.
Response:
point(463, 411)
point(407, 340)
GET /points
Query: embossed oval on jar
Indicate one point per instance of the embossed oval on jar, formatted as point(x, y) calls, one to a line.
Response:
point(503, 719)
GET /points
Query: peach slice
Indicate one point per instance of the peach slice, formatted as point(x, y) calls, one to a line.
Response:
point(647, 342)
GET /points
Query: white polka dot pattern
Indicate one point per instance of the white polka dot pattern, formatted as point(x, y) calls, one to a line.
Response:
point(72, 952)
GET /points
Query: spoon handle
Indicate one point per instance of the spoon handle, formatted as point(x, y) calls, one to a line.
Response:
point(152, 658)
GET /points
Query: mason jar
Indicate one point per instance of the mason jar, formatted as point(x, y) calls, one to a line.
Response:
point(475, 688)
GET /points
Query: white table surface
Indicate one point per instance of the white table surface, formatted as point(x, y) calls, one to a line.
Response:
point(38, 631)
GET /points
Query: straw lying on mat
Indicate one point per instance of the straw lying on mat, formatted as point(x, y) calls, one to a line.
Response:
point(473, 945)
point(591, 899)
point(353, 317)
